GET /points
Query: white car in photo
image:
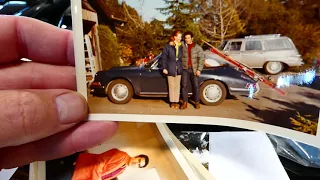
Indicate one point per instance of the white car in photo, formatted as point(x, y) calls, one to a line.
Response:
point(273, 53)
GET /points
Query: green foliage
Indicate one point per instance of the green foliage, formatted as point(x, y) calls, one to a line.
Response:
point(141, 36)
point(291, 19)
point(217, 20)
point(182, 16)
point(109, 48)
point(126, 54)
point(302, 124)
point(206, 165)
point(308, 40)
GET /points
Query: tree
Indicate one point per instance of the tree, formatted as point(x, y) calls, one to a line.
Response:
point(182, 16)
point(274, 17)
point(157, 36)
point(220, 19)
point(114, 7)
point(141, 36)
point(126, 53)
point(179, 12)
point(109, 48)
point(305, 124)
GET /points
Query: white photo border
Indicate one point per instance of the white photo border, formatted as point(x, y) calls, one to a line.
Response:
point(76, 10)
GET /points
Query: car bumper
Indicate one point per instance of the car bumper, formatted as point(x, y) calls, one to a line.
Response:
point(95, 88)
point(295, 63)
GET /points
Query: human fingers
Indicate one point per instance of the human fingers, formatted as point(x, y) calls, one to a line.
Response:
point(23, 37)
point(30, 115)
point(30, 75)
point(79, 138)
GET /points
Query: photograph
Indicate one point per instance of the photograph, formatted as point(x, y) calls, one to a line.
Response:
point(137, 150)
point(214, 154)
point(192, 153)
point(202, 62)
point(18, 173)
point(197, 144)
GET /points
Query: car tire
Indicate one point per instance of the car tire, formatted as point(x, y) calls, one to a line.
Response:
point(273, 67)
point(123, 94)
point(212, 93)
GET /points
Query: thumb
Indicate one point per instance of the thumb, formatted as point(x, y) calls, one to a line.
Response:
point(30, 115)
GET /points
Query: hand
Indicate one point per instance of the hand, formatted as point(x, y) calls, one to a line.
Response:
point(41, 114)
point(165, 71)
point(198, 73)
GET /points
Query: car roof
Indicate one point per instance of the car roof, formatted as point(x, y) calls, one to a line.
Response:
point(259, 38)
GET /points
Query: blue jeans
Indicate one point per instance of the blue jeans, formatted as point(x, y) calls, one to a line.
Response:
point(186, 75)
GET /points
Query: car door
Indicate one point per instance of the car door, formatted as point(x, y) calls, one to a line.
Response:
point(233, 49)
point(253, 54)
point(153, 81)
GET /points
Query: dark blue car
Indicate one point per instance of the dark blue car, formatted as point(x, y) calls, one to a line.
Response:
point(121, 83)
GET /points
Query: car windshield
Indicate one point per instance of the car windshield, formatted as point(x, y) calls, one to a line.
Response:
point(150, 63)
point(222, 45)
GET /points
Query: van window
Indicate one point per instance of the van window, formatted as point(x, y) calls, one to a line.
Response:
point(235, 46)
point(222, 45)
point(253, 46)
point(277, 44)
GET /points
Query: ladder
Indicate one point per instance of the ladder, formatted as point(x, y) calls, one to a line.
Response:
point(89, 59)
point(247, 70)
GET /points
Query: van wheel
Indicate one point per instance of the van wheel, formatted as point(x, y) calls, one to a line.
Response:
point(120, 91)
point(273, 67)
point(212, 93)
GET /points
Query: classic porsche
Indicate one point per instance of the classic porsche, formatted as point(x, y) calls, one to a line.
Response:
point(216, 83)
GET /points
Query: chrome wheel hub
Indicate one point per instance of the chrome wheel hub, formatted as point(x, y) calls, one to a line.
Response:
point(120, 92)
point(212, 93)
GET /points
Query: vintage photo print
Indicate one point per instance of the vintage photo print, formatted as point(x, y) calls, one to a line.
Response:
point(140, 150)
point(202, 62)
point(215, 153)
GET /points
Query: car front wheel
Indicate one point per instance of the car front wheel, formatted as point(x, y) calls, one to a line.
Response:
point(120, 91)
point(273, 68)
point(212, 93)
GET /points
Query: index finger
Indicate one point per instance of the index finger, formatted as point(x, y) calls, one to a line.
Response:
point(23, 37)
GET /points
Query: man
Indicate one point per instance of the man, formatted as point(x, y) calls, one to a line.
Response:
point(106, 166)
point(193, 61)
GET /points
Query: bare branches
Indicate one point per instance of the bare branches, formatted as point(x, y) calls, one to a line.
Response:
point(139, 24)
point(220, 18)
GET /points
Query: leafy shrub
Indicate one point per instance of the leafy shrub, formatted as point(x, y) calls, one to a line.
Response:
point(110, 54)
point(303, 124)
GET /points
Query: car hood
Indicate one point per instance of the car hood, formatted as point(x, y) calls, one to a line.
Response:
point(213, 56)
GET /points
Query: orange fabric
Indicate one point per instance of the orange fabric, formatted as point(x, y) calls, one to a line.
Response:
point(105, 166)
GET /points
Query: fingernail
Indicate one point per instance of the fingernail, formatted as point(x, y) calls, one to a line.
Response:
point(71, 108)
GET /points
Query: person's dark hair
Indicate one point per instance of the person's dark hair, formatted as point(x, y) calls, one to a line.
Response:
point(146, 160)
point(188, 33)
point(175, 33)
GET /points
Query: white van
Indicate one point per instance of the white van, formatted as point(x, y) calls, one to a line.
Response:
point(271, 52)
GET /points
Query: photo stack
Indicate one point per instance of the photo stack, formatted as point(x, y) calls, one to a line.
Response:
point(182, 62)
point(251, 64)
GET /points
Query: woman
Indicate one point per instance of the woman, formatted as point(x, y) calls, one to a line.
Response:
point(172, 67)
